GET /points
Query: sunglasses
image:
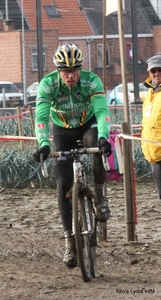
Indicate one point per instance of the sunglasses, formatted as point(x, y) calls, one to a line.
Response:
point(153, 71)
point(68, 71)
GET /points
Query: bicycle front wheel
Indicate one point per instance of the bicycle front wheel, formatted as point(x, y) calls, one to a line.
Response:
point(84, 231)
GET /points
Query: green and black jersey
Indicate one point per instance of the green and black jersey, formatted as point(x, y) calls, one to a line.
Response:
point(70, 107)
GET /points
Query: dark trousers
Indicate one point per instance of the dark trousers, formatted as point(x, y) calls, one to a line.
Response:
point(65, 139)
point(156, 171)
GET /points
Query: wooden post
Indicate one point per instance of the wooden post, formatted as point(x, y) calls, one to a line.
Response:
point(123, 62)
point(128, 187)
point(20, 126)
point(32, 122)
point(127, 149)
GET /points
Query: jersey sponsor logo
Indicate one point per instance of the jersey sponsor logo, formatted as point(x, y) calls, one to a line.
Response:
point(42, 135)
point(77, 108)
point(41, 125)
point(78, 95)
point(93, 85)
point(68, 113)
point(62, 99)
point(84, 83)
point(61, 93)
point(47, 89)
point(55, 84)
point(107, 119)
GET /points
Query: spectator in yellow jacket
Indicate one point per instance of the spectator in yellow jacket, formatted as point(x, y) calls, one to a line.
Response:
point(151, 120)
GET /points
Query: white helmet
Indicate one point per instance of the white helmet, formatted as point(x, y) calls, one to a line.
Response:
point(68, 56)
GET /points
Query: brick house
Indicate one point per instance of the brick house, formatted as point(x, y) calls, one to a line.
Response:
point(79, 22)
point(12, 59)
point(148, 38)
point(11, 35)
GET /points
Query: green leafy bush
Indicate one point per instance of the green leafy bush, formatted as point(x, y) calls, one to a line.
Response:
point(18, 167)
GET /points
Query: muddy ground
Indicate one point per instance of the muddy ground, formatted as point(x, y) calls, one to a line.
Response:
point(32, 247)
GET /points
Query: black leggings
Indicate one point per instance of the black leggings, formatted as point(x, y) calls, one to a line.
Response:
point(65, 139)
point(156, 171)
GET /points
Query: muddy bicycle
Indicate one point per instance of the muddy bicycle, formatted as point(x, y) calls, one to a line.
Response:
point(85, 227)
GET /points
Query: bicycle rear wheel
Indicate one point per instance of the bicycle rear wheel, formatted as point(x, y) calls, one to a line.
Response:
point(85, 231)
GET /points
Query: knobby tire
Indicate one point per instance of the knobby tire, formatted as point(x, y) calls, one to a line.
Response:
point(86, 243)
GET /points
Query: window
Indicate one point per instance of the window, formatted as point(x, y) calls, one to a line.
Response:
point(52, 11)
point(35, 59)
point(120, 89)
point(9, 88)
point(100, 56)
point(128, 51)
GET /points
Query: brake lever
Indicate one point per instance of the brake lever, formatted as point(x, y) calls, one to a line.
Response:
point(105, 162)
point(43, 166)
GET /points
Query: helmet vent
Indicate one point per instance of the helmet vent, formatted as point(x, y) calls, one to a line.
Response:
point(68, 56)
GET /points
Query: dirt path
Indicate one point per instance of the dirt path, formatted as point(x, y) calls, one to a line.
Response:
point(32, 247)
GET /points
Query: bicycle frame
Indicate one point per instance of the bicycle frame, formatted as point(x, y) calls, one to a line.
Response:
point(79, 174)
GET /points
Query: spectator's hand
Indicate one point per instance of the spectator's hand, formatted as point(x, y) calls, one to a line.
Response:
point(45, 151)
point(104, 146)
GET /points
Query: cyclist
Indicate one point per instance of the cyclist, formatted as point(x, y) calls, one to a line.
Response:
point(76, 101)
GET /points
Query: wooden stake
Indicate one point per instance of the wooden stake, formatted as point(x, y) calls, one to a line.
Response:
point(20, 125)
point(128, 188)
point(127, 148)
point(32, 122)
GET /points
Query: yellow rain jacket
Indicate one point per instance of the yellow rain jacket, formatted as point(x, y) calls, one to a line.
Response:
point(151, 123)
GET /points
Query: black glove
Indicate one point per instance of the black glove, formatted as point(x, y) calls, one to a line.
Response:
point(45, 151)
point(104, 146)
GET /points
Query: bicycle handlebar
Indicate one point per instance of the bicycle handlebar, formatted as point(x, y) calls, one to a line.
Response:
point(74, 153)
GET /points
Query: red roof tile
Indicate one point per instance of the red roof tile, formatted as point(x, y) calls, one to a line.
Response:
point(71, 23)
